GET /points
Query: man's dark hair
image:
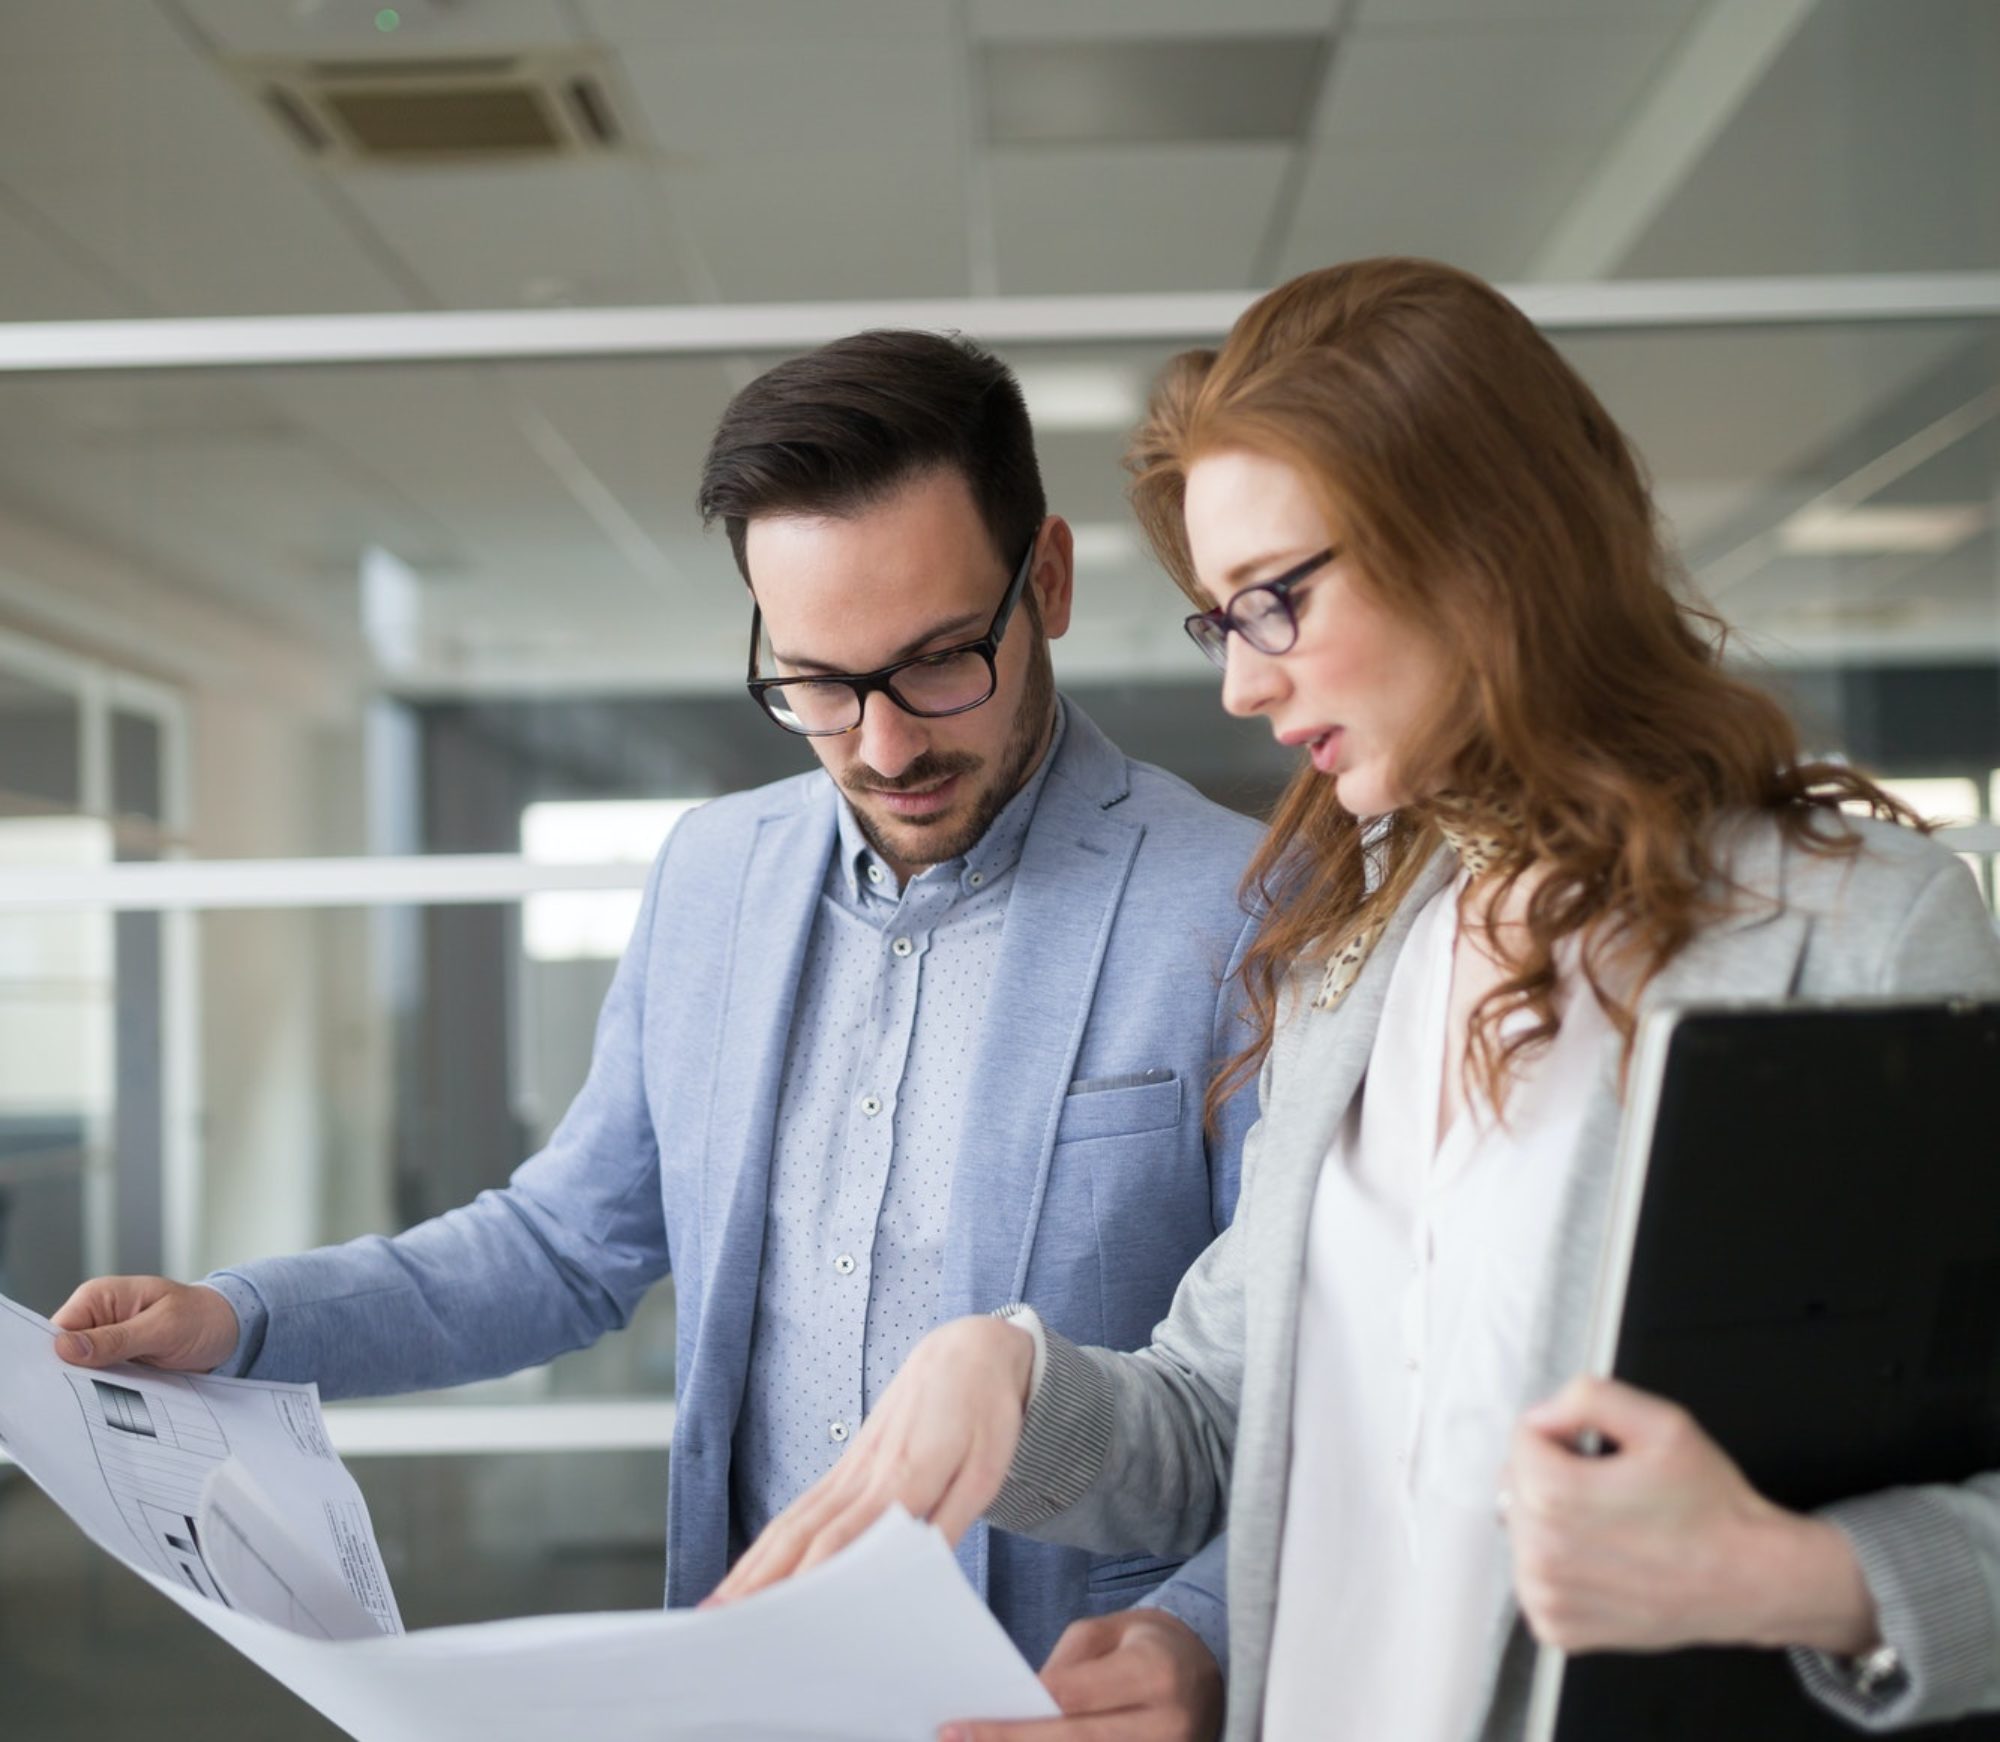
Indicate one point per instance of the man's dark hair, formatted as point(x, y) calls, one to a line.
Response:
point(838, 429)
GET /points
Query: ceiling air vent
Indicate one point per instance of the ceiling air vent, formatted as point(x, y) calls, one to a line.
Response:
point(465, 109)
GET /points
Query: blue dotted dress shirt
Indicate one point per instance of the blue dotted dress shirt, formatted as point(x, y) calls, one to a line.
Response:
point(890, 1017)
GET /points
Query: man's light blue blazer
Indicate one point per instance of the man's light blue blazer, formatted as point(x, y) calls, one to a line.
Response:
point(1112, 982)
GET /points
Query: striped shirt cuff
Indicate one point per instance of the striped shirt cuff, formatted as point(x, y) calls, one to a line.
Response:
point(1064, 1439)
point(1931, 1604)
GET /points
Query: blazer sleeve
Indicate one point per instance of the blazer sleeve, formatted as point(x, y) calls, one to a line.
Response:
point(1930, 1556)
point(560, 1256)
point(1230, 1033)
point(1198, 1597)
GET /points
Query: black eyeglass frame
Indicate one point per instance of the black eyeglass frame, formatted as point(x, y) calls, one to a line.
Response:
point(1222, 619)
point(865, 683)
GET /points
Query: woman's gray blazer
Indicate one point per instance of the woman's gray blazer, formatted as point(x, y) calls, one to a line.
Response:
point(1157, 1451)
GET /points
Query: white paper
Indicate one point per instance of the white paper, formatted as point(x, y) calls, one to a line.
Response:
point(883, 1643)
point(261, 1567)
point(128, 1452)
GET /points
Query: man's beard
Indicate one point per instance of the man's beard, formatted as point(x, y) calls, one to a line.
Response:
point(1032, 721)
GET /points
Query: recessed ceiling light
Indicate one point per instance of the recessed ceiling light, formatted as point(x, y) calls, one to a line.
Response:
point(1927, 529)
point(1134, 91)
point(1081, 396)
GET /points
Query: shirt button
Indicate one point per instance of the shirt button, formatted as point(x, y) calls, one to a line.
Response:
point(844, 1264)
point(902, 946)
point(836, 1431)
point(871, 1105)
point(874, 873)
point(976, 879)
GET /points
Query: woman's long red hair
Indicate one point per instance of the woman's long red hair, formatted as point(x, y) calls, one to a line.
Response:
point(1488, 500)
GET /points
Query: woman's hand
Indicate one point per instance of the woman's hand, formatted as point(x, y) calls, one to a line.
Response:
point(939, 1442)
point(1661, 1542)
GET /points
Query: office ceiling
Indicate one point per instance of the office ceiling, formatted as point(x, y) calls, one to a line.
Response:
point(778, 150)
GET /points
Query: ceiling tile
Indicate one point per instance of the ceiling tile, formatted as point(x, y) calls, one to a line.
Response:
point(1463, 201)
point(1484, 14)
point(42, 280)
point(749, 23)
point(344, 29)
point(1101, 93)
point(1132, 218)
point(828, 224)
point(1491, 85)
point(1110, 20)
point(770, 99)
point(90, 30)
point(579, 230)
point(255, 248)
point(164, 173)
point(116, 115)
point(1872, 145)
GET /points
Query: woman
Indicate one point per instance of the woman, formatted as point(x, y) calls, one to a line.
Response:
point(1533, 806)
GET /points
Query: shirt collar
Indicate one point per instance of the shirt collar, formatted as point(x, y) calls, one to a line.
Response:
point(996, 851)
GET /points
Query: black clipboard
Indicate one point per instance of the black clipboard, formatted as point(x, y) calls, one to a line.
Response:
point(1804, 1251)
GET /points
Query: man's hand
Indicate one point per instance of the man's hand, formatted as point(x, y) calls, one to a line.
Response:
point(1662, 1542)
point(175, 1325)
point(939, 1443)
point(1138, 1676)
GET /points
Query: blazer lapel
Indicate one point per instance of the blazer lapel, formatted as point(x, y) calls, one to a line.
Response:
point(1067, 885)
point(773, 924)
point(1328, 1060)
point(1324, 1059)
point(1751, 955)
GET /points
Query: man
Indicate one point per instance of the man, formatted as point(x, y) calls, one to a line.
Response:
point(920, 1034)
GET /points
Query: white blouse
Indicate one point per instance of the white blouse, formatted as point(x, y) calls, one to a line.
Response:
point(1421, 1278)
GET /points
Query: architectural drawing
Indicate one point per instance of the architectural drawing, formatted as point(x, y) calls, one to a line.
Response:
point(155, 1452)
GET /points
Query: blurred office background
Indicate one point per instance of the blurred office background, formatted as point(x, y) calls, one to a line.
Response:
point(281, 642)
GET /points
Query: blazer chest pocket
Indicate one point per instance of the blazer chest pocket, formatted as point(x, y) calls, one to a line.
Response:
point(1120, 1106)
point(1128, 1577)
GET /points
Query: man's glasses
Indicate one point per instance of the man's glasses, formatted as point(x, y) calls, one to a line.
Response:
point(954, 680)
point(1264, 615)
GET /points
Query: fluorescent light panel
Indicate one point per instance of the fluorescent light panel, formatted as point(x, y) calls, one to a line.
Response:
point(1129, 91)
point(1105, 544)
point(1081, 396)
point(1927, 529)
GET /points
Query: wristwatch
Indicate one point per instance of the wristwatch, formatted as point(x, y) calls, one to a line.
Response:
point(1024, 1317)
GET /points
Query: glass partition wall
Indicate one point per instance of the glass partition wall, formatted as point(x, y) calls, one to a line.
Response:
point(328, 972)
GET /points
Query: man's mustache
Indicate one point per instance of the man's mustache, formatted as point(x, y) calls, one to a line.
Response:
point(927, 770)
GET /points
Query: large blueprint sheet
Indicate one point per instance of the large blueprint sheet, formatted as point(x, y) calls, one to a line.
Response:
point(227, 1497)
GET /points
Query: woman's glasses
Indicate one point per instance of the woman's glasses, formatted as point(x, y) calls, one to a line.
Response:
point(1263, 615)
point(953, 680)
